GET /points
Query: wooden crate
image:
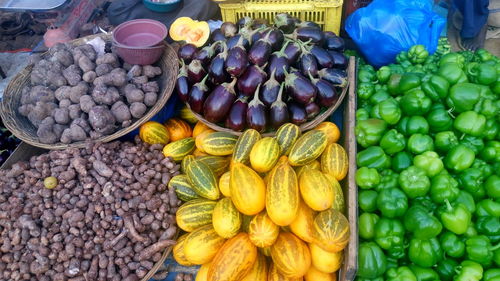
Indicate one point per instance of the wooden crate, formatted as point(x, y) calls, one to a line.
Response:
point(348, 270)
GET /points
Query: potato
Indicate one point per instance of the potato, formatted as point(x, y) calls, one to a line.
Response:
point(121, 112)
point(86, 64)
point(45, 131)
point(133, 94)
point(77, 91)
point(61, 116)
point(74, 111)
point(108, 58)
point(101, 119)
point(151, 71)
point(89, 76)
point(62, 93)
point(86, 103)
point(138, 109)
point(63, 56)
point(72, 74)
point(42, 94)
point(151, 87)
point(150, 98)
point(102, 69)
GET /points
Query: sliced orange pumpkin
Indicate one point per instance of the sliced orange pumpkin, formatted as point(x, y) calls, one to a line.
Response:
point(180, 27)
point(198, 34)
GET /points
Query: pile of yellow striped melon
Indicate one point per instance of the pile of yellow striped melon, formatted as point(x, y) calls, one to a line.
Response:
point(261, 208)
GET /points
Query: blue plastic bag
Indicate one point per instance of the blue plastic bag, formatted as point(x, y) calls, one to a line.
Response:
point(385, 28)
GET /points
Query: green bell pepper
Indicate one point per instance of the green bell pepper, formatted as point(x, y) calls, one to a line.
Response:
point(402, 57)
point(481, 73)
point(389, 233)
point(388, 179)
point(383, 74)
point(435, 87)
point(389, 111)
point(424, 201)
point(365, 90)
point(366, 225)
point(455, 58)
point(452, 245)
point(414, 182)
point(452, 72)
point(372, 262)
point(487, 107)
point(429, 162)
point(469, 271)
point(367, 75)
point(485, 168)
point(401, 161)
point(471, 180)
point(492, 274)
point(425, 253)
point(393, 142)
point(489, 226)
point(467, 200)
point(362, 114)
point(373, 157)
point(488, 207)
point(439, 119)
point(444, 141)
point(471, 123)
point(416, 125)
point(446, 269)
point(421, 223)
point(402, 273)
point(392, 202)
point(491, 152)
point(369, 132)
point(474, 143)
point(417, 54)
point(379, 97)
point(491, 129)
point(464, 96)
point(419, 143)
point(471, 231)
point(496, 257)
point(444, 187)
point(483, 55)
point(367, 200)
point(415, 102)
point(367, 178)
point(424, 274)
point(479, 249)
point(393, 84)
point(459, 158)
point(492, 186)
point(375, 112)
point(456, 218)
point(409, 81)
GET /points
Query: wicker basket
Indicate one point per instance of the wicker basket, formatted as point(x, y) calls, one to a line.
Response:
point(22, 128)
point(303, 127)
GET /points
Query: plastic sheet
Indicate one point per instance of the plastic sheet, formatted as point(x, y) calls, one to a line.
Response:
point(386, 27)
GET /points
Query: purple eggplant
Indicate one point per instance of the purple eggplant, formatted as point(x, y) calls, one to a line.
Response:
point(228, 29)
point(237, 59)
point(256, 35)
point(256, 113)
point(312, 110)
point(187, 52)
point(195, 72)
point(258, 23)
point(270, 90)
point(216, 70)
point(197, 95)
point(334, 43)
point(233, 41)
point(260, 51)
point(292, 52)
point(237, 118)
point(219, 102)
point(278, 63)
point(182, 84)
point(299, 88)
point(339, 60)
point(278, 112)
point(306, 34)
point(276, 38)
point(309, 24)
point(217, 35)
point(329, 33)
point(324, 59)
point(284, 22)
point(206, 54)
point(244, 22)
point(297, 113)
point(337, 77)
point(307, 62)
point(327, 95)
point(253, 77)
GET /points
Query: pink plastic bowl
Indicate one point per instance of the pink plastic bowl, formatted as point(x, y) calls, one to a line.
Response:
point(140, 33)
point(141, 56)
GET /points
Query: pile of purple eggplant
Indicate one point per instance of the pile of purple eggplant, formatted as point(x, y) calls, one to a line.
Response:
point(259, 76)
point(7, 143)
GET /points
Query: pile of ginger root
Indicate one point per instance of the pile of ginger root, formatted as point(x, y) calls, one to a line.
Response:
point(76, 94)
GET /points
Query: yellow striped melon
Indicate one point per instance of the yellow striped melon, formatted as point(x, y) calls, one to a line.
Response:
point(263, 231)
point(334, 161)
point(264, 154)
point(282, 198)
point(316, 190)
point(331, 230)
point(314, 274)
point(224, 186)
point(286, 136)
point(226, 219)
point(178, 251)
point(307, 148)
point(325, 261)
point(244, 145)
point(248, 190)
point(194, 214)
point(291, 255)
point(219, 143)
point(302, 226)
point(259, 270)
point(177, 150)
point(202, 245)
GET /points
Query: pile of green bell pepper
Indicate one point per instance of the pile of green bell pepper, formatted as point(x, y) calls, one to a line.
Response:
point(428, 134)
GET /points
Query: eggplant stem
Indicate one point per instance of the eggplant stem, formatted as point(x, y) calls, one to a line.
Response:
point(273, 72)
point(314, 80)
point(280, 93)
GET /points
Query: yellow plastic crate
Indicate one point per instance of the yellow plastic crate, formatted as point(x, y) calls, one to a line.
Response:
point(327, 13)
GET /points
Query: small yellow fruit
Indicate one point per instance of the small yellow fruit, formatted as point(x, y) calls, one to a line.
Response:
point(50, 182)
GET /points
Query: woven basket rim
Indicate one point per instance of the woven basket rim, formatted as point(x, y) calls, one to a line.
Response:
point(303, 127)
point(11, 117)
